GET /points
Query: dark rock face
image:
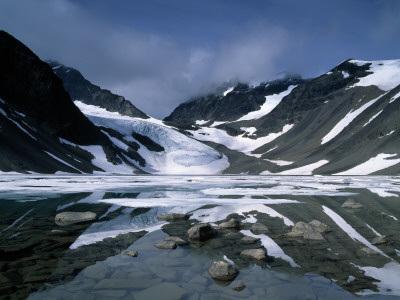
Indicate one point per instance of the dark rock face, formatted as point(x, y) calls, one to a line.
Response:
point(81, 89)
point(30, 85)
point(36, 112)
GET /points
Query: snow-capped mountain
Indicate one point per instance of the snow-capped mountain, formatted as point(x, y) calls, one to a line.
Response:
point(342, 122)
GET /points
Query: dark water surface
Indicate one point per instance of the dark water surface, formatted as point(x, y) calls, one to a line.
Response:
point(42, 260)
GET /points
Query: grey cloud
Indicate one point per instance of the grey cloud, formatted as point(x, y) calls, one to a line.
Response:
point(156, 73)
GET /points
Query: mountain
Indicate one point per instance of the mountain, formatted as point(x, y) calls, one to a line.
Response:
point(41, 130)
point(342, 122)
point(80, 88)
point(164, 150)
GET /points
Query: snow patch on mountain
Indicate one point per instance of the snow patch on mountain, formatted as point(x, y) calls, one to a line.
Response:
point(228, 91)
point(182, 155)
point(395, 97)
point(238, 143)
point(347, 120)
point(385, 74)
point(304, 170)
point(373, 117)
point(372, 165)
point(270, 103)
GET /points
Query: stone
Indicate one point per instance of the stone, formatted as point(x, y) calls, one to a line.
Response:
point(166, 245)
point(223, 271)
point(173, 217)
point(165, 291)
point(351, 203)
point(249, 240)
point(256, 254)
point(258, 228)
point(175, 239)
point(380, 240)
point(321, 227)
point(232, 223)
point(306, 231)
point(233, 236)
point(239, 286)
point(369, 251)
point(131, 253)
point(70, 217)
point(202, 232)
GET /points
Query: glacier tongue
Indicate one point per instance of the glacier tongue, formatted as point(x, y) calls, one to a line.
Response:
point(182, 154)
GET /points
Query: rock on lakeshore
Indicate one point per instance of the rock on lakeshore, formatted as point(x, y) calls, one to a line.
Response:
point(166, 245)
point(232, 223)
point(70, 217)
point(223, 271)
point(202, 232)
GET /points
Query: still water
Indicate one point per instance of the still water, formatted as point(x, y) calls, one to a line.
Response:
point(42, 260)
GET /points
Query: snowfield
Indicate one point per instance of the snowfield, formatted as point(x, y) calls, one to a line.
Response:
point(182, 155)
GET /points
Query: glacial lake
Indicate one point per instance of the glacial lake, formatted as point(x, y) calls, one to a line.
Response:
point(42, 260)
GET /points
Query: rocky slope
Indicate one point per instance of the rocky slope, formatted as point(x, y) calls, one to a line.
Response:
point(41, 129)
point(342, 122)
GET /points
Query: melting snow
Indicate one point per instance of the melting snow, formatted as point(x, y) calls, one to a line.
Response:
point(304, 170)
point(354, 235)
point(347, 120)
point(62, 161)
point(385, 74)
point(273, 248)
point(395, 97)
point(228, 91)
point(373, 117)
point(388, 277)
point(345, 74)
point(372, 165)
point(201, 122)
point(373, 230)
point(183, 155)
point(270, 103)
point(238, 143)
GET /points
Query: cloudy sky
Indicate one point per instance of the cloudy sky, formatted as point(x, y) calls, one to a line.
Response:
point(159, 53)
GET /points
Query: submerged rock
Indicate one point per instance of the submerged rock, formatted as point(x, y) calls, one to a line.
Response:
point(232, 223)
point(71, 217)
point(249, 240)
point(258, 228)
point(305, 231)
point(351, 203)
point(166, 245)
point(239, 286)
point(321, 227)
point(131, 253)
point(202, 232)
point(256, 254)
point(173, 217)
point(223, 271)
point(380, 240)
point(175, 239)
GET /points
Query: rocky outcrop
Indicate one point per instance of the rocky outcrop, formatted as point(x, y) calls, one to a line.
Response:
point(176, 239)
point(380, 240)
point(249, 240)
point(81, 89)
point(131, 253)
point(223, 271)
